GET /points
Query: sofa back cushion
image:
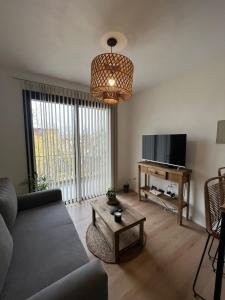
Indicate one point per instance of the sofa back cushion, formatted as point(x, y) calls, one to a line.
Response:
point(8, 202)
point(6, 248)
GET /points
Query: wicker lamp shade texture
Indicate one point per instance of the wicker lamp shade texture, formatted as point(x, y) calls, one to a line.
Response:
point(111, 77)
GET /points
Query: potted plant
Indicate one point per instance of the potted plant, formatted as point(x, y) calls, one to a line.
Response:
point(111, 195)
point(38, 183)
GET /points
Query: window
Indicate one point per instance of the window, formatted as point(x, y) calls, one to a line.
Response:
point(69, 143)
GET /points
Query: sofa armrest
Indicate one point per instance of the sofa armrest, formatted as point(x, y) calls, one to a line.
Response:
point(88, 282)
point(31, 200)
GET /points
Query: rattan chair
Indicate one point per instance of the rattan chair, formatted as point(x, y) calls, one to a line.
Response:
point(214, 198)
point(221, 172)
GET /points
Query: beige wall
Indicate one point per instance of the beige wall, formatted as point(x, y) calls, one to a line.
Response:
point(191, 104)
point(12, 139)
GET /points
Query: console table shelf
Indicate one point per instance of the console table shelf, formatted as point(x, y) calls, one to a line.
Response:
point(164, 199)
point(180, 176)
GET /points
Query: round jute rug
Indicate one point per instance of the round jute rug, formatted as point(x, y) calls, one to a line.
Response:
point(98, 246)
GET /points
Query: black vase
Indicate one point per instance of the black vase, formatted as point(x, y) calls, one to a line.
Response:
point(126, 188)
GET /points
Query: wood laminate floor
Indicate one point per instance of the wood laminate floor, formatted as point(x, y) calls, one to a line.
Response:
point(166, 267)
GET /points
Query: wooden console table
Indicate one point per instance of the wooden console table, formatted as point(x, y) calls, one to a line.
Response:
point(181, 176)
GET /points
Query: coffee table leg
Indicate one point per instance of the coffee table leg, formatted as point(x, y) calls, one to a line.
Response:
point(116, 247)
point(141, 233)
point(93, 216)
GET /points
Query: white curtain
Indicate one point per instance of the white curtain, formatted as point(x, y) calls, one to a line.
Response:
point(68, 140)
point(95, 148)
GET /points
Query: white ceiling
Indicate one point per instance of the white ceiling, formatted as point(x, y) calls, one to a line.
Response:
point(60, 37)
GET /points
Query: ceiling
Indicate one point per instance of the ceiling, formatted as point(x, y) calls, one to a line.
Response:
point(59, 38)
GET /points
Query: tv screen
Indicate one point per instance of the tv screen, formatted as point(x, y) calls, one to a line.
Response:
point(167, 149)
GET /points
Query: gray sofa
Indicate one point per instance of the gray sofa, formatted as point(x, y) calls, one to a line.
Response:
point(41, 255)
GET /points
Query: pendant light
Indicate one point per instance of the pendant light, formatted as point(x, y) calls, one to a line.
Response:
point(111, 76)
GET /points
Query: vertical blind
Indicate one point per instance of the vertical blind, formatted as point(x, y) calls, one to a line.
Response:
point(68, 136)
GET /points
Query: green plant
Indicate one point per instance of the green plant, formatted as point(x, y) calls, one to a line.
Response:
point(111, 193)
point(38, 183)
point(41, 183)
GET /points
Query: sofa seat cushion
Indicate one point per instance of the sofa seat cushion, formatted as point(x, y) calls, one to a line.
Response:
point(40, 218)
point(46, 248)
point(8, 202)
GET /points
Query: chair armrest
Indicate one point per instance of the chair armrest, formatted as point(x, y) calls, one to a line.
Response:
point(31, 200)
point(88, 282)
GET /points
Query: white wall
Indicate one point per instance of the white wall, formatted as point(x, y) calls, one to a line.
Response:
point(12, 141)
point(12, 137)
point(190, 104)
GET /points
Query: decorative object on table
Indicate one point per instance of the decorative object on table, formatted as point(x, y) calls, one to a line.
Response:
point(155, 192)
point(111, 195)
point(118, 208)
point(111, 75)
point(126, 188)
point(170, 194)
point(118, 216)
point(171, 190)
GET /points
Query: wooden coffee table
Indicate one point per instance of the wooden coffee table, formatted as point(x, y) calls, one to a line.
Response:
point(119, 236)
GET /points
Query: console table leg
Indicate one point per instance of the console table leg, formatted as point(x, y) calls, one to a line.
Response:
point(188, 199)
point(139, 183)
point(180, 204)
point(141, 233)
point(146, 183)
point(116, 247)
point(179, 217)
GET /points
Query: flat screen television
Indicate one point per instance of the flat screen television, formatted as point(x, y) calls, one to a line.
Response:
point(166, 149)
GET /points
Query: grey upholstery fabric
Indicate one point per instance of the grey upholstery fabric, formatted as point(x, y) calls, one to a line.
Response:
point(32, 200)
point(6, 247)
point(8, 202)
point(41, 219)
point(46, 248)
point(88, 282)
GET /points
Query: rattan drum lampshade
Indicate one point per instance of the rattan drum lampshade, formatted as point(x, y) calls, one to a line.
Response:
point(111, 76)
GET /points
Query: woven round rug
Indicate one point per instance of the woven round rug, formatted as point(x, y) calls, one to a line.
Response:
point(100, 248)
